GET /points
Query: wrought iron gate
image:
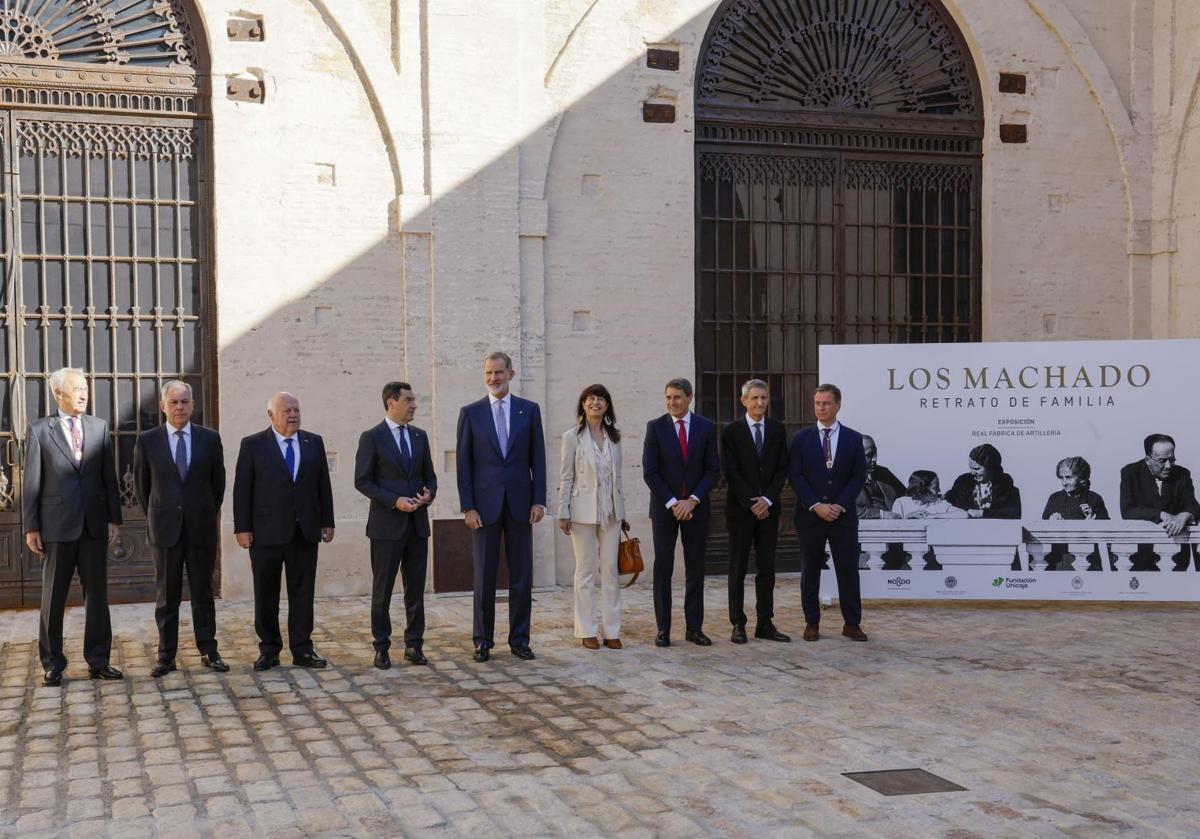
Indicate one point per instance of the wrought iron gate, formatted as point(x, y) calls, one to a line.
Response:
point(837, 196)
point(103, 246)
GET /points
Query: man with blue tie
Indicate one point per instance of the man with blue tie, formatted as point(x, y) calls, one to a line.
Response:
point(282, 510)
point(680, 466)
point(827, 469)
point(394, 468)
point(501, 459)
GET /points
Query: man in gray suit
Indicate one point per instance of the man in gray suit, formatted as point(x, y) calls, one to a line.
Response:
point(72, 508)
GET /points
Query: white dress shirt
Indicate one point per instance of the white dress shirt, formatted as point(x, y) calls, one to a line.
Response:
point(295, 438)
point(403, 430)
point(507, 400)
point(763, 422)
point(173, 441)
point(687, 432)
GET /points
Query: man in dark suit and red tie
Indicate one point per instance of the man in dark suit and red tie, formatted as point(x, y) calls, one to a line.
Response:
point(680, 465)
point(282, 510)
point(827, 470)
point(394, 468)
point(501, 460)
point(754, 461)
point(71, 509)
point(179, 475)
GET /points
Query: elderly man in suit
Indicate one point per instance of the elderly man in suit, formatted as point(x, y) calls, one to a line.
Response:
point(282, 511)
point(501, 458)
point(72, 508)
point(680, 465)
point(827, 470)
point(1157, 489)
point(394, 468)
point(754, 462)
point(179, 474)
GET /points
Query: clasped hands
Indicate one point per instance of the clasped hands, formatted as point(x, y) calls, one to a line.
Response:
point(1174, 524)
point(829, 512)
point(411, 505)
point(683, 508)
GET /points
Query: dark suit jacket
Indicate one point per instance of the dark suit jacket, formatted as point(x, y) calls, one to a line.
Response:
point(171, 503)
point(1140, 498)
point(379, 475)
point(268, 503)
point(748, 475)
point(485, 479)
point(814, 484)
point(1006, 497)
point(888, 489)
point(59, 500)
point(1070, 506)
point(668, 476)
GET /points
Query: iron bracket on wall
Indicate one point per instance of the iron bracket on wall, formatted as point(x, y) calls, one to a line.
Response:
point(244, 90)
point(245, 29)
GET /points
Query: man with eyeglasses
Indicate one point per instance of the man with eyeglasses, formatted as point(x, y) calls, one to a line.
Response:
point(1157, 489)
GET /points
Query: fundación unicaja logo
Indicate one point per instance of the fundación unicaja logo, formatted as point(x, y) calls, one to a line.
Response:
point(951, 581)
point(1134, 585)
point(1077, 582)
point(996, 583)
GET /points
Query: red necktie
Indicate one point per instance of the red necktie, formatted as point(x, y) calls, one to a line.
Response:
point(682, 447)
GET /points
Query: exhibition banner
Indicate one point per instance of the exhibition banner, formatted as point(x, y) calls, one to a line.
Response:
point(1036, 470)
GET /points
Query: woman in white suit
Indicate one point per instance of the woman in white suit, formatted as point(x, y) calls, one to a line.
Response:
point(592, 512)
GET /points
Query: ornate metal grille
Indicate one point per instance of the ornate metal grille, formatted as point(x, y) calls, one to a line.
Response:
point(837, 193)
point(103, 246)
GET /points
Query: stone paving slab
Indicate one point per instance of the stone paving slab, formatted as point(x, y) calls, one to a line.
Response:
point(1059, 720)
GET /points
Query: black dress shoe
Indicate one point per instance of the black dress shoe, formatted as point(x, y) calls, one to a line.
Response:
point(107, 672)
point(311, 660)
point(482, 653)
point(214, 662)
point(163, 668)
point(697, 637)
point(383, 661)
point(413, 655)
point(52, 678)
point(738, 636)
point(770, 633)
point(662, 639)
point(266, 662)
point(523, 653)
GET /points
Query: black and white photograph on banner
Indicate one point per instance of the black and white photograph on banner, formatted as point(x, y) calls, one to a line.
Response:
point(1034, 470)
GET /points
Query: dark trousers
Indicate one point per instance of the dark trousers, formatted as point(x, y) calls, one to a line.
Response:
point(843, 548)
point(409, 556)
point(88, 556)
point(169, 566)
point(746, 532)
point(298, 561)
point(694, 534)
point(517, 537)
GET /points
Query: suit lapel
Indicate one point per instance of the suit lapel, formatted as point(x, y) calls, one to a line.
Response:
point(415, 452)
point(59, 437)
point(388, 444)
point(198, 452)
point(488, 419)
point(164, 440)
point(517, 421)
point(270, 441)
point(306, 454)
point(673, 433)
point(93, 441)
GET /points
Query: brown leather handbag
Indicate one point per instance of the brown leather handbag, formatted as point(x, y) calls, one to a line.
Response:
point(629, 557)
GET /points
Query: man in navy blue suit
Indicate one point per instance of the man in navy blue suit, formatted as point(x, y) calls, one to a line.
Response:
point(827, 470)
point(680, 465)
point(502, 488)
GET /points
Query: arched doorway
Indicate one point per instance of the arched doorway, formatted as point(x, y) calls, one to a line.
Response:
point(104, 245)
point(837, 193)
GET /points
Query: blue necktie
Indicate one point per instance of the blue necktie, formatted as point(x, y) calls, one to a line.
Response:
point(405, 454)
point(289, 457)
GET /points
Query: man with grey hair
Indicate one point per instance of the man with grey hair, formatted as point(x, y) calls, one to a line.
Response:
point(754, 460)
point(71, 506)
point(282, 511)
point(179, 474)
point(680, 465)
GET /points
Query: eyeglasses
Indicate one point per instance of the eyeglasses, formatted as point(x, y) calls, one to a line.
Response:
point(1162, 461)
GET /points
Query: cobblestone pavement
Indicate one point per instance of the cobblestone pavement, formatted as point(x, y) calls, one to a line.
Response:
point(1061, 721)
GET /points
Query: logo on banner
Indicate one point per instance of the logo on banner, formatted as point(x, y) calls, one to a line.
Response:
point(951, 581)
point(899, 582)
point(996, 583)
point(1014, 582)
point(1077, 582)
point(1134, 585)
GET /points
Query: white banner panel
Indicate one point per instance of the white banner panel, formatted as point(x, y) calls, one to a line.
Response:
point(1035, 534)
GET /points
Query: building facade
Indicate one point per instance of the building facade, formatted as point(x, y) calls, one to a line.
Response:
point(322, 195)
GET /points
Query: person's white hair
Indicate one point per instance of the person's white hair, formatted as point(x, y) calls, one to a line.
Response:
point(754, 384)
point(274, 396)
point(59, 377)
point(170, 386)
